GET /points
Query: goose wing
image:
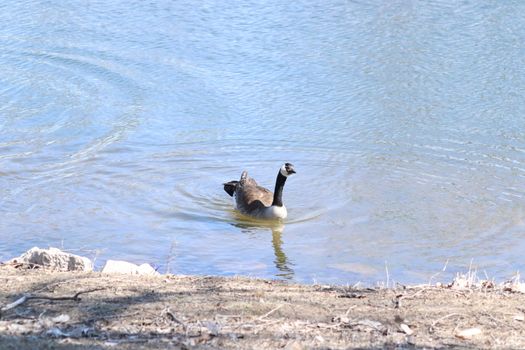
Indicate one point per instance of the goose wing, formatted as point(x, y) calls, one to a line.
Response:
point(254, 196)
point(232, 186)
point(246, 180)
point(249, 196)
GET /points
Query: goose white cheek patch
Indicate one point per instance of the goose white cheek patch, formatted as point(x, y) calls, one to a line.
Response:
point(283, 171)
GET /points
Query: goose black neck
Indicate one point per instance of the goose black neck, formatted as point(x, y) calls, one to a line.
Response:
point(278, 193)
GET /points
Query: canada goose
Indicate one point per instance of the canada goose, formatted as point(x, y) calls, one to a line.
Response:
point(254, 200)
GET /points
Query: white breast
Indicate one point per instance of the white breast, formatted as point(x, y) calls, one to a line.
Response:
point(273, 212)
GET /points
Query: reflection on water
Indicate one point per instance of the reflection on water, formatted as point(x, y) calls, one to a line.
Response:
point(282, 263)
point(120, 120)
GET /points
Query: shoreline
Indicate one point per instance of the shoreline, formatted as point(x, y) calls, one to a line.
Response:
point(92, 310)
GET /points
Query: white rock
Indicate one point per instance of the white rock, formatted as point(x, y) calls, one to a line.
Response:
point(54, 258)
point(406, 329)
point(63, 318)
point(519, 318)
point(460, 282)
point(468, 333)
point(124, 267)
point(147, 269)
point(519, 287)
point(294, 345)
point(19, 329)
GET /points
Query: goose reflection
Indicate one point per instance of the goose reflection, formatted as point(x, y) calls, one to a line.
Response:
point(281, 261)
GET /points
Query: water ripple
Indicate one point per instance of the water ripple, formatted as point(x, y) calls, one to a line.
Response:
point(119, 122)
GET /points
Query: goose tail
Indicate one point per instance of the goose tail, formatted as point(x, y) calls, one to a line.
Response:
point(229, 187)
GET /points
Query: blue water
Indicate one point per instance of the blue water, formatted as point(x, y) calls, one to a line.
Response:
point(120, 120)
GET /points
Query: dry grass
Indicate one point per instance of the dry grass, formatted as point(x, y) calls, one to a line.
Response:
point(174, 312)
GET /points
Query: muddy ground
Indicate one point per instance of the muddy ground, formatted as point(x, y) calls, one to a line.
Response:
point(64, 310)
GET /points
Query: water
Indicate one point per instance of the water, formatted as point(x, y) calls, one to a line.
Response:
point(120, 120)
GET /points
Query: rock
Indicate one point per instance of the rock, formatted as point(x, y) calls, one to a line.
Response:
point(461, 282)
point(514, 286)
point(63, 318)
point(147, 269)
point(519, 318)
point(519, 287)
point(124, 267)
point(55, 259)
point(294, 345)
point(20, 329)
point(406, 329)
point(468, 333)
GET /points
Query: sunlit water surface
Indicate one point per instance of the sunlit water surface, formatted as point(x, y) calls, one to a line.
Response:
point(120, 120)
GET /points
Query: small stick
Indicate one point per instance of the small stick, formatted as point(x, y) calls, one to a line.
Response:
point(444, 317)
point(270, 312)
point(27, 297)
point(438, 273)
point(53, 285)
point(404, 297)
point(168, 314)
point(74, 297)
point(413, 295)
point(266, 324)
point(350, 308)
point(15, 303)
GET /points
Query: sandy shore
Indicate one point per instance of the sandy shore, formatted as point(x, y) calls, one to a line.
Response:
point(66, 310)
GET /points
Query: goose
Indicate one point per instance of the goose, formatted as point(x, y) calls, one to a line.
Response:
point(256, 201)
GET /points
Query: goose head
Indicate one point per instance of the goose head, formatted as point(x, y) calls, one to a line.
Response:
point(287, 169)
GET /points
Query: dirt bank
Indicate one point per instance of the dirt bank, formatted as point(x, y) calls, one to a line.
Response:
point(64, 310)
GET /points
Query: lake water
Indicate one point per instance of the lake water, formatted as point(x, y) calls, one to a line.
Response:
point(405, 120)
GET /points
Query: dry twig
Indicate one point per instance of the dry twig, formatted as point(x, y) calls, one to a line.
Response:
point(270, 312)
point(443, 318)
point(28, 296)
point(400, 297)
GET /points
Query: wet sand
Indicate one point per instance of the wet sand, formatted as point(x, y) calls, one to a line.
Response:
point(66, 310)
